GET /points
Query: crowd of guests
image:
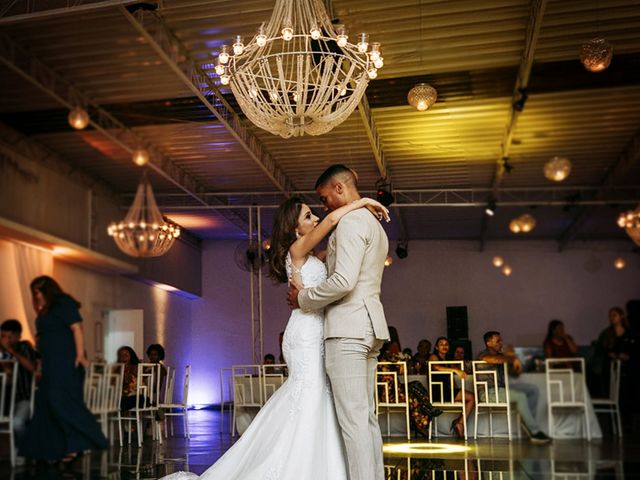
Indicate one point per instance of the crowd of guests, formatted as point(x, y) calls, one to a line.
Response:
point(56, 426)
point(616, 342)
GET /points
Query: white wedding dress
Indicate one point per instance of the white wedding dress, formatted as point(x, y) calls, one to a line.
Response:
point(295, 435)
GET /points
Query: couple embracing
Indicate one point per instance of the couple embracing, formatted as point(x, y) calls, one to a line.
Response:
point(314, 428)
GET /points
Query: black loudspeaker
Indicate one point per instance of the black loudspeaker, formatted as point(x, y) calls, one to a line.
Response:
point(457, 323)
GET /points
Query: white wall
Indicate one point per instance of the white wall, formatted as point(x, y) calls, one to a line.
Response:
point(578, 286)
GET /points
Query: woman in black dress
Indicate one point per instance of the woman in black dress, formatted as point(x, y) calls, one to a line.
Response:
point(62, 426)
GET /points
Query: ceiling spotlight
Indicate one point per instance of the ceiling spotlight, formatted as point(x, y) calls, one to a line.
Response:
point(402, 250)
point(506, 165)
point(78, 118)
point(422, 97)
point(388, 261)
point(498, 261)
point(491, 208)
point(518, 105)
point(619, 263)
point(507, 270)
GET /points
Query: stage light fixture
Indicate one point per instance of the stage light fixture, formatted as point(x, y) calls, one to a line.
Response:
point(383, 192)
point(491, 208)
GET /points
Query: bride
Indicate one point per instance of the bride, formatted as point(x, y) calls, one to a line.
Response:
point(295, 435)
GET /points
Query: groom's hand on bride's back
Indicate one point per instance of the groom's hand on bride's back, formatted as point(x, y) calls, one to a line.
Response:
point(292, 297)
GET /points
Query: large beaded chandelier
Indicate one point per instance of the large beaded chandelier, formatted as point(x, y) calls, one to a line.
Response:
point(300, 73)
point(630, 221)
point(144, 232)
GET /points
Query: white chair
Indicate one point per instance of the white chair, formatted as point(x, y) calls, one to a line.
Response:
point(487, 393)
point(226, 396)
point(611, 404)
point(112, 394)
point(93, 388)
point(391, 385)
point(566, 389)
point(174, 409)
point(8, 386)
point(145, 400)
point(442, 391)
point(272, 379)
point(247, 389)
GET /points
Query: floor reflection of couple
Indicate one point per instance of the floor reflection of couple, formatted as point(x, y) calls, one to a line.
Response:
point(310, 428)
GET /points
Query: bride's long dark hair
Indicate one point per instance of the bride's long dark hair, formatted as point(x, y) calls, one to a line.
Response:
point(282, 236)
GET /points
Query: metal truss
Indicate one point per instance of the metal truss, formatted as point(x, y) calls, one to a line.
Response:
point(617, 171)
point(14, 11)
point(63, 91)
point(198, 78)
point(429, 198)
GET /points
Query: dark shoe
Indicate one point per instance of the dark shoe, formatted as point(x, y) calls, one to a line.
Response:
point(435, 412)
point(539, 438)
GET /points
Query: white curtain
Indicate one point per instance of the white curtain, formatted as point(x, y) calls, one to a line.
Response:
point(19, 264)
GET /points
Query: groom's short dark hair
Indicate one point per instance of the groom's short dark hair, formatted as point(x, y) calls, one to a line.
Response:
point(334, 171)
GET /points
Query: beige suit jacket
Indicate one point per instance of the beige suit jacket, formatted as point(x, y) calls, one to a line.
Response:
point(351, 294)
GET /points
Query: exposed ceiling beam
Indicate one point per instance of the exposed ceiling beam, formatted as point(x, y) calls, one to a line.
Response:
point(175, 54)
point(24, 10)
point(378, 154)
point(63, 91)
point(616, 171)
point(536, 14)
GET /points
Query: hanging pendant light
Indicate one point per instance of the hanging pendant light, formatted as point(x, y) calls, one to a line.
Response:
point(78, 118)
point(498, 261)
point(422, 97)
point(144, 232)
point(596, 54)
point(619, 263)
point(557, 169)
point(522, 224)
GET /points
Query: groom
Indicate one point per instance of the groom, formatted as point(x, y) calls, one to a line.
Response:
point(355, 327)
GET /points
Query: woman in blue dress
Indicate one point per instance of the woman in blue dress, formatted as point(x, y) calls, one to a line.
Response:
point(62, 426)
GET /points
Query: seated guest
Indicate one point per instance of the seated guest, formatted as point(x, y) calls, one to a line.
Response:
point(614, 343)
point(440, 354)
point(459, 354)
point(420, 359)
point(270, 359)
point(391, 348)
point(129, 358)
point(22, 352)
point(407, 354)
point(558, 344)
point(524, 395)
point(155, 354)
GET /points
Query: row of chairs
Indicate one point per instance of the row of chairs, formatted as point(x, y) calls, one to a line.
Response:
point(153, 399)
point(565, 381)
point(102, 394)
point(247, 386)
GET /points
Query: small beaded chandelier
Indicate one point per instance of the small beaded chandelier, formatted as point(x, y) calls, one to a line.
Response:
point(422, 97)
point(522, 224)
point(144, 232)
point(299, 74)
point(630, 221)
point(596, 54)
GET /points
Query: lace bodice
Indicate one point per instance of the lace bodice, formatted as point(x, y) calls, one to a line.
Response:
point(313, 272)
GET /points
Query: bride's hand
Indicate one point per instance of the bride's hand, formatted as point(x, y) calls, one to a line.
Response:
point(375, 207)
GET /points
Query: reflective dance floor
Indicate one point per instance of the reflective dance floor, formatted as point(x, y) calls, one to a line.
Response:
point(443, 458)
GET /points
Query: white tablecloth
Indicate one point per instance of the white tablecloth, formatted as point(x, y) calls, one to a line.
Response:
point(567, 424)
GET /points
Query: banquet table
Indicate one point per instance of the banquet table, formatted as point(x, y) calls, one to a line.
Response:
point(568, 424)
